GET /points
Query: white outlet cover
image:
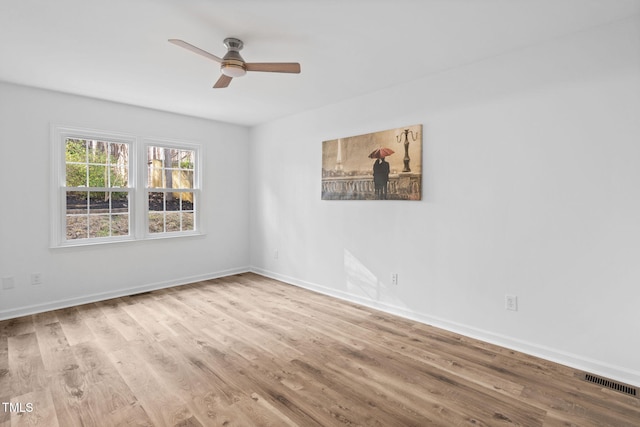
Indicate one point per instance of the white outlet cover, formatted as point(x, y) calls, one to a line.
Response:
point(36, 279)
point(8, 283)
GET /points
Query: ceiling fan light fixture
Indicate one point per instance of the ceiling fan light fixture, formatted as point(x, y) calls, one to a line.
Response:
point(233, 70)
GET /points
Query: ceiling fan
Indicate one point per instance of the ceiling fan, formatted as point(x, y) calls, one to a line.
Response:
point(232, 65)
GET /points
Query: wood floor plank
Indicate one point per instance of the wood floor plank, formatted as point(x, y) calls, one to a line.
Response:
point(106, 336)
point(26, 368)
point(41, 319)
point(17, 326)
point(54, 348)
point(149, 319)
point(75, 330)
point(96, 389)
point(246, 350)
point(5, 378)
point(163, 406)
point(119, 319)
point(134, 416)
point(68, 390)
point(37, 409)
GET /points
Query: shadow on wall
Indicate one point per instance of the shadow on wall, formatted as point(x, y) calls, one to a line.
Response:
point(363, 283)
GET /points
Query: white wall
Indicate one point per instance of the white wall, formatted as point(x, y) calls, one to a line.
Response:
point(75, 275)
point(531, 187)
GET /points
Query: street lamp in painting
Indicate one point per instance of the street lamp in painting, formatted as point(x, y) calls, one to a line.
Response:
point(414, 137)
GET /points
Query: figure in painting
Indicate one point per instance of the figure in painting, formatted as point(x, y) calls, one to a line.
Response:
point(381, 177)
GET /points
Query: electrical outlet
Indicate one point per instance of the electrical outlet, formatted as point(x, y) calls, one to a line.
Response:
point(36, 279)
point(275, 254)
point(394, 278)
point(8, 283)
point(511, 302)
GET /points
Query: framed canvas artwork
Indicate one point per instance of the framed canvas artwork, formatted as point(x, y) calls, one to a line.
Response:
point(385, 165)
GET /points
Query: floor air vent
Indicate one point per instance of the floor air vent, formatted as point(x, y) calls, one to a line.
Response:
point(613, 385)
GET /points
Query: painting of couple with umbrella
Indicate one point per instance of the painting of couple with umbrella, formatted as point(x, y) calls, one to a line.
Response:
point(385, 165)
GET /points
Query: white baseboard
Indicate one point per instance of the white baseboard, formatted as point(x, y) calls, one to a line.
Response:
point(574, 361)
point(86, 299)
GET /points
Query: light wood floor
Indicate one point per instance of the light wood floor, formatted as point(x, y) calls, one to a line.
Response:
point(246, 350)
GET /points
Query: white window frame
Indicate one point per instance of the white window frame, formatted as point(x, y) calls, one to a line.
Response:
point(137, 189)
point(196, 190)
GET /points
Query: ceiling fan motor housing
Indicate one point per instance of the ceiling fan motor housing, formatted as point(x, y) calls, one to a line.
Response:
point(232, 63)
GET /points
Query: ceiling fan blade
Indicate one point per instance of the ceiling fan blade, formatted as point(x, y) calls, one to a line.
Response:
point(223, 81)
point(194, 49)
point(274, 67)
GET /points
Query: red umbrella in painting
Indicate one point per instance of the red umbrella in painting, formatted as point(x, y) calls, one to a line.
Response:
point(381, 152)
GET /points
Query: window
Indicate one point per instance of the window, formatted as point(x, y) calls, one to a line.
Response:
point(96, 188)
point(171, 195)
point(102, 194)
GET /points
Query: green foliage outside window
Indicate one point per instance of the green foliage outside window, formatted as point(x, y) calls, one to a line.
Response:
point(96, 164)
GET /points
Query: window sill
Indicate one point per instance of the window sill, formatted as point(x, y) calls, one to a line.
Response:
point(96, 243)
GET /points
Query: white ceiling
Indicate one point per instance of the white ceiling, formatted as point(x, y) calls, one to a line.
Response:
point(118, 50)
